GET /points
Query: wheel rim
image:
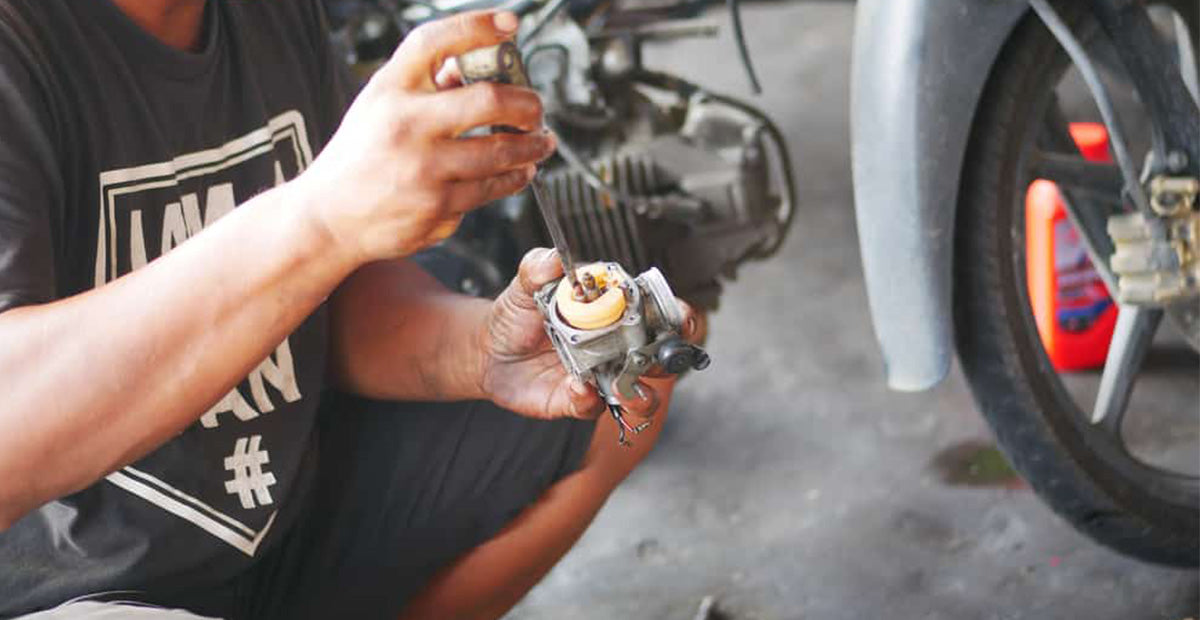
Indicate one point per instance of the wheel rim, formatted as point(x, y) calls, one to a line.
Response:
point(1092, 187)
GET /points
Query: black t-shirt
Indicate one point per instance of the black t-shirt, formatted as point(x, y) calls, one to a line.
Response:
point(115, 148)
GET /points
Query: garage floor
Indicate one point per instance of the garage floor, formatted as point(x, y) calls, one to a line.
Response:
point(789, 483)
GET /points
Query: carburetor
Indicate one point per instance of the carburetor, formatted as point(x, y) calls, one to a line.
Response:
point(611, 328)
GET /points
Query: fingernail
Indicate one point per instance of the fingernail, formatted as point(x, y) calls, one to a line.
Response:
point(505, 21)
point(530, 172)
point(641, 392)
point(690, 327)
point(548, 257)
point(551, 140)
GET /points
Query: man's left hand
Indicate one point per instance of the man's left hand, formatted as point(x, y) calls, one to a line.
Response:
point(521, 370)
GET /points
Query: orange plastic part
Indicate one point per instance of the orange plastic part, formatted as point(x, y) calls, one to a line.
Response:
point(600, 312)
point(1075, 315)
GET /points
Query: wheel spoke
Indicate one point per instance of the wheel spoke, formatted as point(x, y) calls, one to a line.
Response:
point(1075, 172)
point(1130, 342)
point(1087, 208)
point(1091, 77)
point(1056, 129)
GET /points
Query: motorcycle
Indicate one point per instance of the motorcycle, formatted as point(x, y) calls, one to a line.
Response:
point(651, 170)
point(960, 109)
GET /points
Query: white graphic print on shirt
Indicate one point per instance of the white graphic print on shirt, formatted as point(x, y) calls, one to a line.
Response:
point(147, 210)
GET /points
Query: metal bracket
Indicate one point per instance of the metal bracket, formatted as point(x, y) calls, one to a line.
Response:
point(636, 365)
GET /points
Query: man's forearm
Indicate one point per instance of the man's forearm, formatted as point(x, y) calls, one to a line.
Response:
point(95, 381)
point(399, 334)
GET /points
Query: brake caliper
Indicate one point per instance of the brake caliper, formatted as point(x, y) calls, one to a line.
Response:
point(1157, 259)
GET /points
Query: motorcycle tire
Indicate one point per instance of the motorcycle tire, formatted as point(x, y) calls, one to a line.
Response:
point(1082, 473)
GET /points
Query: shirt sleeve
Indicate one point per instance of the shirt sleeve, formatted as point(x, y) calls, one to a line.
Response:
point(30, 178)
point(335, 72)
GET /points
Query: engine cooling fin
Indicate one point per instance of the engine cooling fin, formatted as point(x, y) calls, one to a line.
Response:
point(597, 224)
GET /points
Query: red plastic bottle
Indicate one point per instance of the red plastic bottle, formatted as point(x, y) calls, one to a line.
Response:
point(1074, 313)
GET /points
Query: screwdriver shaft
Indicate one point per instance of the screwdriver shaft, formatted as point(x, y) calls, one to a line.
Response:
point(554, 226)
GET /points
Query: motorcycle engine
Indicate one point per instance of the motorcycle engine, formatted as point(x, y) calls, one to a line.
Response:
point(652, 171)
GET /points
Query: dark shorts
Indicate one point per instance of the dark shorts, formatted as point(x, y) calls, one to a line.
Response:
point(402, 490)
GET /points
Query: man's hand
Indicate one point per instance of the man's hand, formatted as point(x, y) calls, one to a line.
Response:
point(520, 369)
point(398, 175)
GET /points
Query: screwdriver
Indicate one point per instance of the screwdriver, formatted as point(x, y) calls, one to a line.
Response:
point(502, 64)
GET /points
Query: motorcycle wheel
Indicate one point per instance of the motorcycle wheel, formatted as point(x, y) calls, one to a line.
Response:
point(1084, 472)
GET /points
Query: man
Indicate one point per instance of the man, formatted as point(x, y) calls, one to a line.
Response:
point(173, 429)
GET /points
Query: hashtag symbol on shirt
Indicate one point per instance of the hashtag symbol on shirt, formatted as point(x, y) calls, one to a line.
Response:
point(249, 482)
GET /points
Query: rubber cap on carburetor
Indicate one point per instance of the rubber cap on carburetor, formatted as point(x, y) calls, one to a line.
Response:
point(603, 311)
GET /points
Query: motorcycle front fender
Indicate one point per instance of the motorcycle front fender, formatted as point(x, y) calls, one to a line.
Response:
point(919, 68)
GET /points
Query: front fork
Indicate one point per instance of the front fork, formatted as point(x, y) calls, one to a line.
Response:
point(1156, 76)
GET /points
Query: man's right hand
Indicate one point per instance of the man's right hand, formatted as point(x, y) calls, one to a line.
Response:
point(398, 175)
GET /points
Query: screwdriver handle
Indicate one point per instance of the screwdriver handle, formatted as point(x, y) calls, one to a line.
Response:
point(501, 64)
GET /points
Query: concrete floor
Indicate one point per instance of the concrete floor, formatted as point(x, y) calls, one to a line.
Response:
point(789, 483)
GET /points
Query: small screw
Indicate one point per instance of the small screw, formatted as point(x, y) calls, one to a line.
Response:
point(1177, 161)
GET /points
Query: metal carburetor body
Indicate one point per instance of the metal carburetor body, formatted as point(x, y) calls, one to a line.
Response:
point(613, 328)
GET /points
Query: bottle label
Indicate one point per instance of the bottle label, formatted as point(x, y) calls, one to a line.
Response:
point(1079, 291)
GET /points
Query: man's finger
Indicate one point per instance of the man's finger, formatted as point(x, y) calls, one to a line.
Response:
point(425, 50)
point(539, 267)
point(585, 402)
point(467, 195)
point(454, 112)
point(445, 229)
point(449, 76)
point(695, 324)
point(467, 159)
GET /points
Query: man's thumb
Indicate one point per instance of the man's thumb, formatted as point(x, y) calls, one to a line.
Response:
point(539, 267)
